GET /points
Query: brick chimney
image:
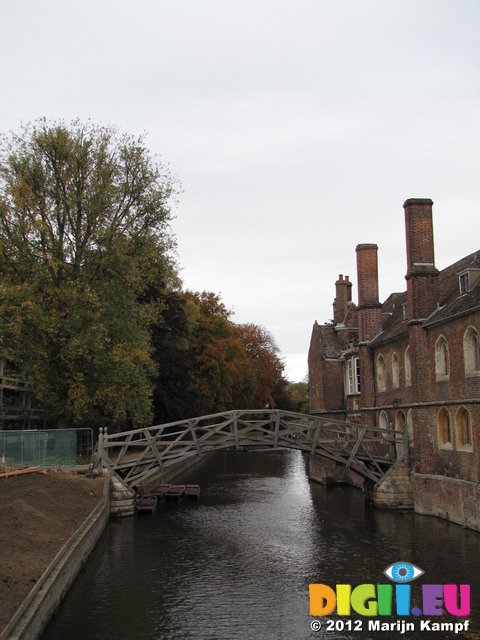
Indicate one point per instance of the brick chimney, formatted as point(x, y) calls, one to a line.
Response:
point(369, 307)
point(343, 290)
point(422, 276)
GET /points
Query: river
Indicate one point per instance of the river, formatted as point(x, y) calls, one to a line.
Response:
point(237, 564)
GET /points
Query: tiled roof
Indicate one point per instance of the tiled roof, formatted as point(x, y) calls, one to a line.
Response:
point(393, 324)
point(451, 303)
point(330, 342)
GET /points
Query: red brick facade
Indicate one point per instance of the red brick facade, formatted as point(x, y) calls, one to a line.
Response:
point(412, 363)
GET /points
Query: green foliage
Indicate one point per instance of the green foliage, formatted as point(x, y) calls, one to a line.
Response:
point(91, 307)
point(299, 394)
point(84, 216)
point(175, 390)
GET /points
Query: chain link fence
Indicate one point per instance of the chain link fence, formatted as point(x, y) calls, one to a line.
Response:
point(49, 448)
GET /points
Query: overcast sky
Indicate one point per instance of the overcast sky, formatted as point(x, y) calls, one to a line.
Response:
point(297, 128)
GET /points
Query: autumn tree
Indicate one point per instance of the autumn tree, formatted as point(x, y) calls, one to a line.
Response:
point(220, 360)
point(265, 365)
point(84, 215)
point(236, 366)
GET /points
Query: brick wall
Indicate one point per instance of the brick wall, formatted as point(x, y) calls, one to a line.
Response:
point(422, 276)
point(447, 474)
point(315, 371)
point(452, 499)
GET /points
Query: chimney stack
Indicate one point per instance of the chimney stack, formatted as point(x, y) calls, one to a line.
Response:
point(343, 289)
point(422, 276)
point(369, 307)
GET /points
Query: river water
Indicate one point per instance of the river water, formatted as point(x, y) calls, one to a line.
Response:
point(237, 564)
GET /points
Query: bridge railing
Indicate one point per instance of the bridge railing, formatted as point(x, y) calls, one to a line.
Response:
point(135, 456)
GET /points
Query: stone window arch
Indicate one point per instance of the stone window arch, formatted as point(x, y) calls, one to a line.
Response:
point(408, 368)
point(444, 429)
point(442, 359)
point(471, 352)
point(463, 430)
point(381, 374)
point(395, 372)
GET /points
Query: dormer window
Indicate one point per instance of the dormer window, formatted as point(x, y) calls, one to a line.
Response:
point(464, 282)
point(467, 280)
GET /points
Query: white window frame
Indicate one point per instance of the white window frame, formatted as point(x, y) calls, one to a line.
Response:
point(464, 283)
point(353, 376)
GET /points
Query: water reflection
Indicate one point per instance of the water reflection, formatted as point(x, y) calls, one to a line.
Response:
point(237, 565)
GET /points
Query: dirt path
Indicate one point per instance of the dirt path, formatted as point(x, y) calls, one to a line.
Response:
point(38, 514)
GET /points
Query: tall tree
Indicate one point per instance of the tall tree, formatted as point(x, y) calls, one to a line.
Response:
point(265, 364)
point(175, 392)
point(84, 215)
point(220, 360)
point(299, 395)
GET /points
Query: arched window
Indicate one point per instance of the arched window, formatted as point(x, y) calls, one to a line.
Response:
point(471, 354)
point(399, 428)
point(442, 363)
point(463, 430)
point(410, 426)
point(408, 368)
point(381, 377)
point(383, 423)
point(444, 429)
point(395, 372)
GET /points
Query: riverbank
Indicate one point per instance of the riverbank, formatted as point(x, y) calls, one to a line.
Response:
point(39, 514)
point(237, 563)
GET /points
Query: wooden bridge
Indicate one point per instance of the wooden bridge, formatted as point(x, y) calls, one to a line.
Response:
point(135, 456)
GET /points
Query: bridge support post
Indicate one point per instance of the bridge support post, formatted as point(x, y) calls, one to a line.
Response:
point(122, 500)
point(395, 492)
point(96, 466)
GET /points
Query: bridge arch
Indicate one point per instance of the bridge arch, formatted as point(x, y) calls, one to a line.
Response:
point(138, 455)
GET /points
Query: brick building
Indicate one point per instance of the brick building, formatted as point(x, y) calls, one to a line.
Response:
point(411, 363)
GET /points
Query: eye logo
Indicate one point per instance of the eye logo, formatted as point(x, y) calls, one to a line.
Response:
point(377, 600)
point(403, 572)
